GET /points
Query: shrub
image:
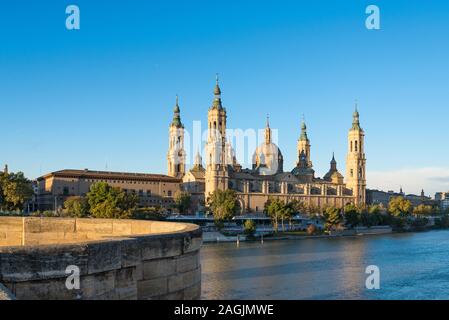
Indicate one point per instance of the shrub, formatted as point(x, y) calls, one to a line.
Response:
point(249, 227)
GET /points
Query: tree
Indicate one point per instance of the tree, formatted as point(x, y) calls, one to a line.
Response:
point(333, 218)
point(224, 204)
point(249, 227)
point(182, 201)
point(299, 206)
point(399, 207)
point(422, 210)
point(352, 215)
point(77, 207)
point(287, 214)
point(108, 202)
point(15, 191)
point(375, 209)
point(275, 210)
point(312, 209)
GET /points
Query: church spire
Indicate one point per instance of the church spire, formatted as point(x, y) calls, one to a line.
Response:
point(217, 93)
point(303, 136)
point(355, 118)
point(198, 160)
point(268, 131)
point(177, 115)
point(333, 163)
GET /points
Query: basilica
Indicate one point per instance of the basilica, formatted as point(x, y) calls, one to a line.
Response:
point(266, 178)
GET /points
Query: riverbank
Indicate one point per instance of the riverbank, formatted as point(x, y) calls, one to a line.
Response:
point(217, 237)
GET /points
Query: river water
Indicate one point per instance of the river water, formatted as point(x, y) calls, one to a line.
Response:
point(412, 266)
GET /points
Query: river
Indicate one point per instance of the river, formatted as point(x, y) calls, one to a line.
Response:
point(412, 266)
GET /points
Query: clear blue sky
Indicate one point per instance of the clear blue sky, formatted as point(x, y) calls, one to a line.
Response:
point(105, 93)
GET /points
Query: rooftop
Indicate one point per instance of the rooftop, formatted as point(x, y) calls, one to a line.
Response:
point(73, 173)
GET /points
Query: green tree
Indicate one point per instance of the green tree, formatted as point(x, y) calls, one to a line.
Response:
point(182, 201)
point(333, 218)
point(149, 213)
point(287, 214)
point(299, 206)
point(275, 210)
point(108, 202)
point(77, 207)
point(352, 215)
point(374, 209)
point(312, 209)
point(399, 207)
point(224, 204)
point(15, 191)
point(249, 227)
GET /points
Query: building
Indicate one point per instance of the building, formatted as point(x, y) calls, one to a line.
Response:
point(153, 189)
point(442, 198)
point(439, 196)
point(444, 204)
point(267, 177)
point(383, 197)
point(379, 197)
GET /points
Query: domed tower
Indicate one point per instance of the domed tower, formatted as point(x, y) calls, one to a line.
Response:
point(217, 175)
point(176, 155)
point(333, 175)
point(304, 144)
point(267, 158)
point(356, 161)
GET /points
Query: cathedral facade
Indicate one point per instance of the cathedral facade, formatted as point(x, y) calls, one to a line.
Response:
point(266, 178)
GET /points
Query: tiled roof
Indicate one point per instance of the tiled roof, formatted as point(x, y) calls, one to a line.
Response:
point(71, 173)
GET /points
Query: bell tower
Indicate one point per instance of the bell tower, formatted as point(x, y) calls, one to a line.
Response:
point(217, 175)
point(176, 156)
point(356, 161)
point(303, 145)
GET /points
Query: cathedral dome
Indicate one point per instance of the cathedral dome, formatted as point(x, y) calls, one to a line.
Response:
point(268, 159)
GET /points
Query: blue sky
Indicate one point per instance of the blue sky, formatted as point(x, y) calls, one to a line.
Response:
point(103, 95)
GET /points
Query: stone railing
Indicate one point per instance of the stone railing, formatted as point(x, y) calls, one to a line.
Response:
point(116, 259)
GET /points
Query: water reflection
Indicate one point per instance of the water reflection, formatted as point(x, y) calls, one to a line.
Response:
point(413, 266)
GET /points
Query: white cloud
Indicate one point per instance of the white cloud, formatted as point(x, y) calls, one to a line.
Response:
point(412, 180)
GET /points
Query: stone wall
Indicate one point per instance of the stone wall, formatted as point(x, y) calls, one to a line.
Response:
point(5, 293)
point(117, 259)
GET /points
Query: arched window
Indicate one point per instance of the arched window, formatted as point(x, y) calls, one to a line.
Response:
point(215, 124)
point(355, 146)
point(351, 146)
